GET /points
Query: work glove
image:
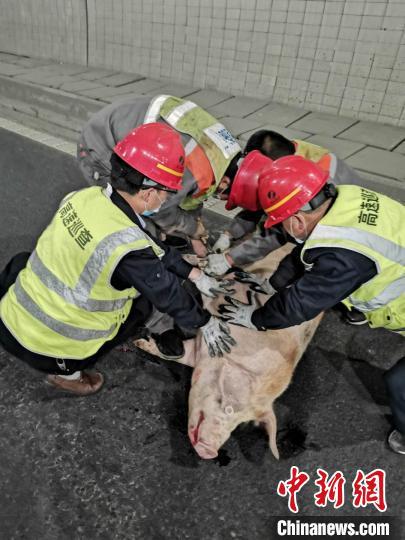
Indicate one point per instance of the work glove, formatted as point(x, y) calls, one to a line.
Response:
point(222, 244)
point(211, 287)
point(236, 312)
point(215, 265)
point(217, 336)
point(256, 283)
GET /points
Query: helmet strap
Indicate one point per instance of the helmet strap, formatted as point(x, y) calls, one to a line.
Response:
point(120, 169)
point(327, 192)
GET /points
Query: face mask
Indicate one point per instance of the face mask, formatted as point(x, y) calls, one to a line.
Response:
point(148, 213)
point(298, 240)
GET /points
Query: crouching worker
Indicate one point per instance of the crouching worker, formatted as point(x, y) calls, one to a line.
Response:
point(211, 152)
point(95, 275)
point(352, 251)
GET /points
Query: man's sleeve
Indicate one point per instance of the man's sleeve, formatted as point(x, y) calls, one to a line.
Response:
point(108, 126)
point(245, 222)
point(256, 247)
point(176, 220)
point(148, 274)
point(335, 274)
point(173, 261)
point(289, 270)
point(344, 174)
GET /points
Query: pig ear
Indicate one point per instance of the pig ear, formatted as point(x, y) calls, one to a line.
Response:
point(269, 421)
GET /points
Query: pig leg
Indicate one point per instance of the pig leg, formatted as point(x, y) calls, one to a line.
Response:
point(269, 422)
point(191, 349)
point(148, 345)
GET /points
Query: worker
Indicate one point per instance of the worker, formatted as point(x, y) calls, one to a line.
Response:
point(95, 275)
point(210, 150)
point(242, 192)
point(351, 249)
point(273, 145)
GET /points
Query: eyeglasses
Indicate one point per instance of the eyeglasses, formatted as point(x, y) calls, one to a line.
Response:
point(148, 183)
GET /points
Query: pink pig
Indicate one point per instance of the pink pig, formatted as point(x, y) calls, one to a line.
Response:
point(240, 386)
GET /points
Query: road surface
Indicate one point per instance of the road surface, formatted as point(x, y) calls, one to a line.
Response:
point(118, 465)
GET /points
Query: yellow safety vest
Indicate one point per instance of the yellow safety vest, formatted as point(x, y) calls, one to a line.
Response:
point(63, 304)
point(218, 144)
point(309, 151)
point(319, 155)
point(371, 224)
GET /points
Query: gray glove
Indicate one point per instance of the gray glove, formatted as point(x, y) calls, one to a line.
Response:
point(211, 287)
point(217, 336)
point(256, 284)
point(222, 244)
point(237, 312)
point(216, 265)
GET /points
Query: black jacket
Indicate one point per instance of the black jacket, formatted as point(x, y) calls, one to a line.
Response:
point(158, 279)
point(302, 295)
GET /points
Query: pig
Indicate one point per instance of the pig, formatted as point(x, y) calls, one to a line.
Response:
point(242, 385)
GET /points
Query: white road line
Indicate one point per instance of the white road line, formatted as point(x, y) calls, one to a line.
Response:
point(44, 138)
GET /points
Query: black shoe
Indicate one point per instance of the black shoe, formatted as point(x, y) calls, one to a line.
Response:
point(141, 332)
point(396, 441)
point(186, 333)
point(170, 345)
point(355, 317)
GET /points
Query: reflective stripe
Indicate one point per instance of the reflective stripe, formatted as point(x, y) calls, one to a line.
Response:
point(79, 295)
point(108, 190)
point(332, 167)
point(71, 296)
point(214, 139)
point(64, 329)
point(179, 111)
point(153, 112)
point(287, 198)
point(388, 249)
point(223, 139)
point(102, 253)
point(190, 147)
point(390, 293)
point(169, 170)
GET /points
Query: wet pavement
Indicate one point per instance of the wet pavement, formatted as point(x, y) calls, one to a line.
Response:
point(118, 465)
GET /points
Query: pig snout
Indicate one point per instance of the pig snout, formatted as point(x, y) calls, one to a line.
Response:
point(204, 451)
point(204, 448)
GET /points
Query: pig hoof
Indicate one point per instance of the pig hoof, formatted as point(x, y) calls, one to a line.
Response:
point(147, 345)
point(170, 345)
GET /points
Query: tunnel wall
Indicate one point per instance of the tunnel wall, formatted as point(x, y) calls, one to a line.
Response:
point(337, 56)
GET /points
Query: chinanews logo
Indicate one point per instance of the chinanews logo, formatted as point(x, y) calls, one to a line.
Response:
point(367, 489)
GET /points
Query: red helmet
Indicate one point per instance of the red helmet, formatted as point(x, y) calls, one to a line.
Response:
point(287, 186)
point(244, 187)
point(156, 151)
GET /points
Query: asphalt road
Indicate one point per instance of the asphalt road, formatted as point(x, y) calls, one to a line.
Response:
point(118, 465)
